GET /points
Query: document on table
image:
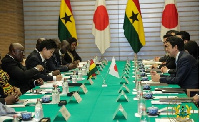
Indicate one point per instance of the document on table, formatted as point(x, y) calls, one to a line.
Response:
point(50, 84)
point(168, 120)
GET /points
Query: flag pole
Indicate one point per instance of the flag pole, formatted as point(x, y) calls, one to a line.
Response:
point(104, 79)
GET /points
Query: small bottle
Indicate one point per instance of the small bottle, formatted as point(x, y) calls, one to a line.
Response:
point(144, 117)
point(65, 87)
point(80, 73)
point(74, 78)
point(38, 111)
point(15, 119)
point(141, 105)
point(55, 95)
point(84, 70)
point(139, 90)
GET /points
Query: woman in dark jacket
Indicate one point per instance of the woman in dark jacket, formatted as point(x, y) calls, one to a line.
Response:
point(71, 55)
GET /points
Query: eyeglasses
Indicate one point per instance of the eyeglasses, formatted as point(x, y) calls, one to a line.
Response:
point(21, 51)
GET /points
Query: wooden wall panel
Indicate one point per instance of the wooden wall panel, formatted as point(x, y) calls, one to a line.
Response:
point(11, 24)
point(41, 20)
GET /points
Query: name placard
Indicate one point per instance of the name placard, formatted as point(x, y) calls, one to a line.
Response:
point(124, 88)
point(90, 80)
point(84, 88)
point(65, 113)
point(126, 80)
point(121, 96)
point(77, 97)
point(120, 110)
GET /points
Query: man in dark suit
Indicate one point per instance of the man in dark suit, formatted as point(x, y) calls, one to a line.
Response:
point(187, 68)
point(56, 61)
point(19, 75)
point(46, 50)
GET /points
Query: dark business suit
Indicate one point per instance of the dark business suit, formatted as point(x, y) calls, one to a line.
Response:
point(19, 75)
point(187, 72)
point(2, 96)
point(68, 59)
point(170, 63)
point(34, 60)
point(54, 63)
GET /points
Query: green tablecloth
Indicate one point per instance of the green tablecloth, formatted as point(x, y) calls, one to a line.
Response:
point(99, 104)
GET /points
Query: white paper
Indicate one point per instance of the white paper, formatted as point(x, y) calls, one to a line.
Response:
point(50, 84)
point(167, 120)
point(160, 92)
point(154, 102)
point(15, 106)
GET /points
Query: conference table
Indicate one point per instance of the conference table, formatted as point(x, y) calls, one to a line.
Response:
point(100, 104)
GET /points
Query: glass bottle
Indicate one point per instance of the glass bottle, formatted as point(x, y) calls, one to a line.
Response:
point(55, 95)
point(141, 105)
point(144, 117)
point(139, 90)
point(15, 118)
point(38, 111)
point(65, 87)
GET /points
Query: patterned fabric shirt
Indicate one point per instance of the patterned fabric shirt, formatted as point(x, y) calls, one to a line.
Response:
point(4, 78)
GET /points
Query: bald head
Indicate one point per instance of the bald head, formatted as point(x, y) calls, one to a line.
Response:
point(16, 50)
point(15, 46)
point(65, 46)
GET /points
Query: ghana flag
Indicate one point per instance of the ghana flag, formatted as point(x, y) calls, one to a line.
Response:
point(92, 69)
point(66, 22)
point(133, 26)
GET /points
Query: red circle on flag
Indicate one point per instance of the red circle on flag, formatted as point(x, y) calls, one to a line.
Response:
point(101, 19)
point(170, 16)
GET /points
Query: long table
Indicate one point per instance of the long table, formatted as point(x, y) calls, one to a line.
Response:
point(99, 104)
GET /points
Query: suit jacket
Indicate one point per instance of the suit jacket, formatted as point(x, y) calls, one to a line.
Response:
point(187, 72)
point(19, 75)
point(34, 60)
point(54, 63)
point(68, 59)
point(170, 63)
point(2, 96)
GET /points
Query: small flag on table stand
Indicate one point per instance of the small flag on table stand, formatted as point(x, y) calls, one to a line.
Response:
point(92, 71)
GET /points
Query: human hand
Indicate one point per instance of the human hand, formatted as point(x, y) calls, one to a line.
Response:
point(39, 82)
point(153, 73)
point(39, 67)
point(154, 66)
point(72, 66)
point(17, 91)
point(11, 99)
point(196, 98)
point(155, 78)
point(156, 59)
point(56, 72)
point(164, 69)
point(58, 77)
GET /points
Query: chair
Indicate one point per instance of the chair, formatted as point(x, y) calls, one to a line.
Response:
point(189, 91)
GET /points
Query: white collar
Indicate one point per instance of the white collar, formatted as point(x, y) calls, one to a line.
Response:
point(177, 56)
point(42, 57)
point(10, 56)
point(36, 50)
point(60, 52)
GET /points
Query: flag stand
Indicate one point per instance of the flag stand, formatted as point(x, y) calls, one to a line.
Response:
point(104, 79)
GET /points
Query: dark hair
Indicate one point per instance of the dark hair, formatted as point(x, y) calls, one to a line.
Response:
point(39, 42)
point(174, 40)
point(193, 48)
point(48, 43)
point(185, 35)
point(166, 36)
point(71, 40)
point(171, 31)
